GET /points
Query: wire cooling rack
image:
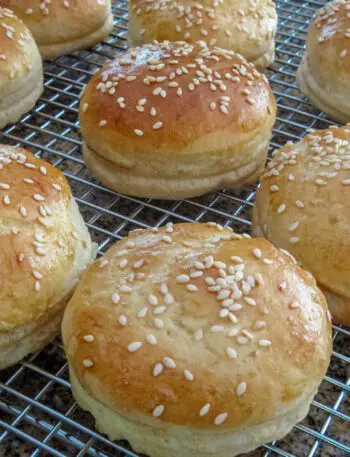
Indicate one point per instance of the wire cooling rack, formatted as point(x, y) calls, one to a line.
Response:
point(38, 415)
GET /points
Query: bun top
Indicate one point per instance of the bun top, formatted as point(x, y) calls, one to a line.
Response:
point(168, 95)
point(245, 26)
point(328, 38)
point(39, 238)
point(56, 21)
point(197, 326)
point(18, 51)
point(303, 205)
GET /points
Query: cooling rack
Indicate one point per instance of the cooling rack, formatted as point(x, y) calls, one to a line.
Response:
point(38, 415)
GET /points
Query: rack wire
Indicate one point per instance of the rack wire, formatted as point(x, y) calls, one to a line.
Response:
point(38, 415)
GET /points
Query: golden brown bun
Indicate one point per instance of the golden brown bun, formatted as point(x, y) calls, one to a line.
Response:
point(203, 125)
point(259, 379)
point(248, 27)
point(21, 73)
point(63, 26)
point(312, 179)
point(324, 72)
point(44, 247)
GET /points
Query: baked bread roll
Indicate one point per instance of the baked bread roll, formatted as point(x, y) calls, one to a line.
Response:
point(193, 340)
point(45, 246)
point(21, 73)
point(244, 26)
point(303, 206)
point(63, 26)
point(176, 120)
point(324, 72)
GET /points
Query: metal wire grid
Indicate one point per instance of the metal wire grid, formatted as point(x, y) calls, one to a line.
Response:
point(38, 416)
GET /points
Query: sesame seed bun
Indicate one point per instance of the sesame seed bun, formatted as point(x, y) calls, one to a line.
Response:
point(323, 74)
point(248, 27)
point(63, 26)
point(193, 340)
point(44, 247)
point(176, 120)
point(303, 206)
point(21, 73)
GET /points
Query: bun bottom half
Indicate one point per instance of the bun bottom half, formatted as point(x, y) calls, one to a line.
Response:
point(51, 51)
point(123, 180)
point(22, 96)
point(323, 99)
point(27, 340)
point(173, 440)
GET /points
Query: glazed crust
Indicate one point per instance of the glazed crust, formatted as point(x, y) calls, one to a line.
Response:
point(62, 24)
point(44, 244)
point(303, 206)
point(282, 352)
point(243, 26)
point(178, 127)
point(325, 67)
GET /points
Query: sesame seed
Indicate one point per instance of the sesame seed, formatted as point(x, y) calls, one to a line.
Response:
point(294, 305)
point(242, 340)
point(169, 299)
point(115, 298)
point(159, 310)
point(274, 188)
point(220, 419)
point(188, 375)
point(299, 204)
point(264, 343)
point(142, 313)
point(122, 320)
point(157, 125)
point(152, 300)
point(281, 208)
point(346, 182)
point(224, 312)
point(241, 388)
point(257, 253)
point(87, 363)
point(217, 328)
point(182, 279)
point(89, 338)
point(38, 198)
point(123, 263)
point(169, 362)
point(158, 369)
point(138, 132)
point(134, 346)
point(231, 353)
point(6, 200)
point(294, 240)
point(259, 325)
point(235, 307)
point(293, 226)
point(237, 259)
point(151, 339)
point(250, 301)
point(102, 123)
point(205, 409)
point(158, 411)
